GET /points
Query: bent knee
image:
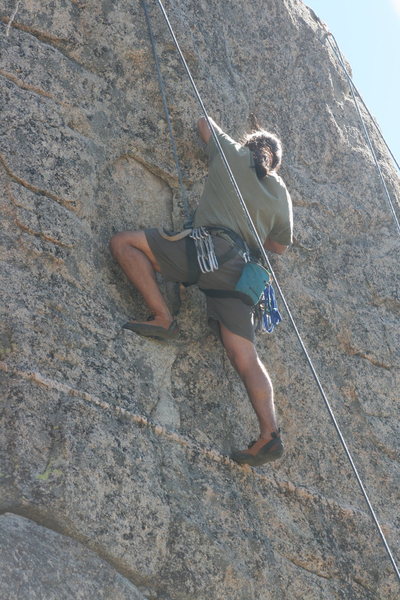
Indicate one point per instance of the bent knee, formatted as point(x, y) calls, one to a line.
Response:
point(114, 243)
point(120, 241)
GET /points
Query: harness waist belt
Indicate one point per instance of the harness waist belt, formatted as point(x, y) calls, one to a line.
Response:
point(196, 262)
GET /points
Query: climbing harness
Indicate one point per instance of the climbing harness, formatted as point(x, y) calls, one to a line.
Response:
point(267, 262)
point(255, 289)
point(254, 286)
point(335, 47)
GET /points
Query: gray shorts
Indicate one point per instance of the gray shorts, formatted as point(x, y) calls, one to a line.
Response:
point(231, 312)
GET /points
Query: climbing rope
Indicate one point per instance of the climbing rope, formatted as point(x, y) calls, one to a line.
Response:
point(335, 47)
point(375, 123)
point(265, 257)
point(161, 83)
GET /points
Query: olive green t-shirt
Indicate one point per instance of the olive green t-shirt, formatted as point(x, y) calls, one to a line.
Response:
point(267, 199)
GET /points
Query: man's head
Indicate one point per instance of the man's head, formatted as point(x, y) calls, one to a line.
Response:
point(267, 151)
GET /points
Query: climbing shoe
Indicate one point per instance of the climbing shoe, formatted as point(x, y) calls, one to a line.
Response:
point(153, 331)
point(260, 451)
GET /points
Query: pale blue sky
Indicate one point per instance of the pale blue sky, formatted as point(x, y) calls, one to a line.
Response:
point(368, 33)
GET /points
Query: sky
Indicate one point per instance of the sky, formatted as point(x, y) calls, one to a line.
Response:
point(368, 34)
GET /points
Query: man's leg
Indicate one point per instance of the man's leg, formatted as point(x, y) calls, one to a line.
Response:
point(133, 253)
point(243, 356)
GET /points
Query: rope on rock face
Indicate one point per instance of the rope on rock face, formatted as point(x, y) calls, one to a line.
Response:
point(353, 89)
point(375, 124)
point(11, 19)
point(265, 257)
point(186, 210)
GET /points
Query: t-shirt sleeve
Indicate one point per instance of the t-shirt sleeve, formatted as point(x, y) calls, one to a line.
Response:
point(283, 236)
point(282, 231)
point(230, 148)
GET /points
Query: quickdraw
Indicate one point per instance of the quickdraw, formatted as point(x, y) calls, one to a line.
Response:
point(204, 249)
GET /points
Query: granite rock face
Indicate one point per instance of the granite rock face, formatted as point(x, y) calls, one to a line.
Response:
point(40, 563)
point(119, 442)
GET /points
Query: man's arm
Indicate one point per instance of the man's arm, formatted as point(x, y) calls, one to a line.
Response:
point(204, 130)
point(275, 246)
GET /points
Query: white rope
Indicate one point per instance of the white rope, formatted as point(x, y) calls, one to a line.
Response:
point(338, 53)
point(11, 19)
point(161, 84)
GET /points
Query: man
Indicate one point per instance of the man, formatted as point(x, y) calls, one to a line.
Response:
point(254, 164)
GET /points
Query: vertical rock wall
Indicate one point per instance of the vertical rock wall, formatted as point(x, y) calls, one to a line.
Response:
point(119, 442)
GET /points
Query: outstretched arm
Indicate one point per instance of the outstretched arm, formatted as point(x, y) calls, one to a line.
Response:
point(204, 130)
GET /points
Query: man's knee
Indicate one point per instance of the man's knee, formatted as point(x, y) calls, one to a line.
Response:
point(121, 241)
point(116, 243)
point(242, 360)
point(131, 244)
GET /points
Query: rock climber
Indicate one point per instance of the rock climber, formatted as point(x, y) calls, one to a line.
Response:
point(254, 164)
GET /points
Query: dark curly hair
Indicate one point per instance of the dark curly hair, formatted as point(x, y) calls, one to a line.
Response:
point(267, 151)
